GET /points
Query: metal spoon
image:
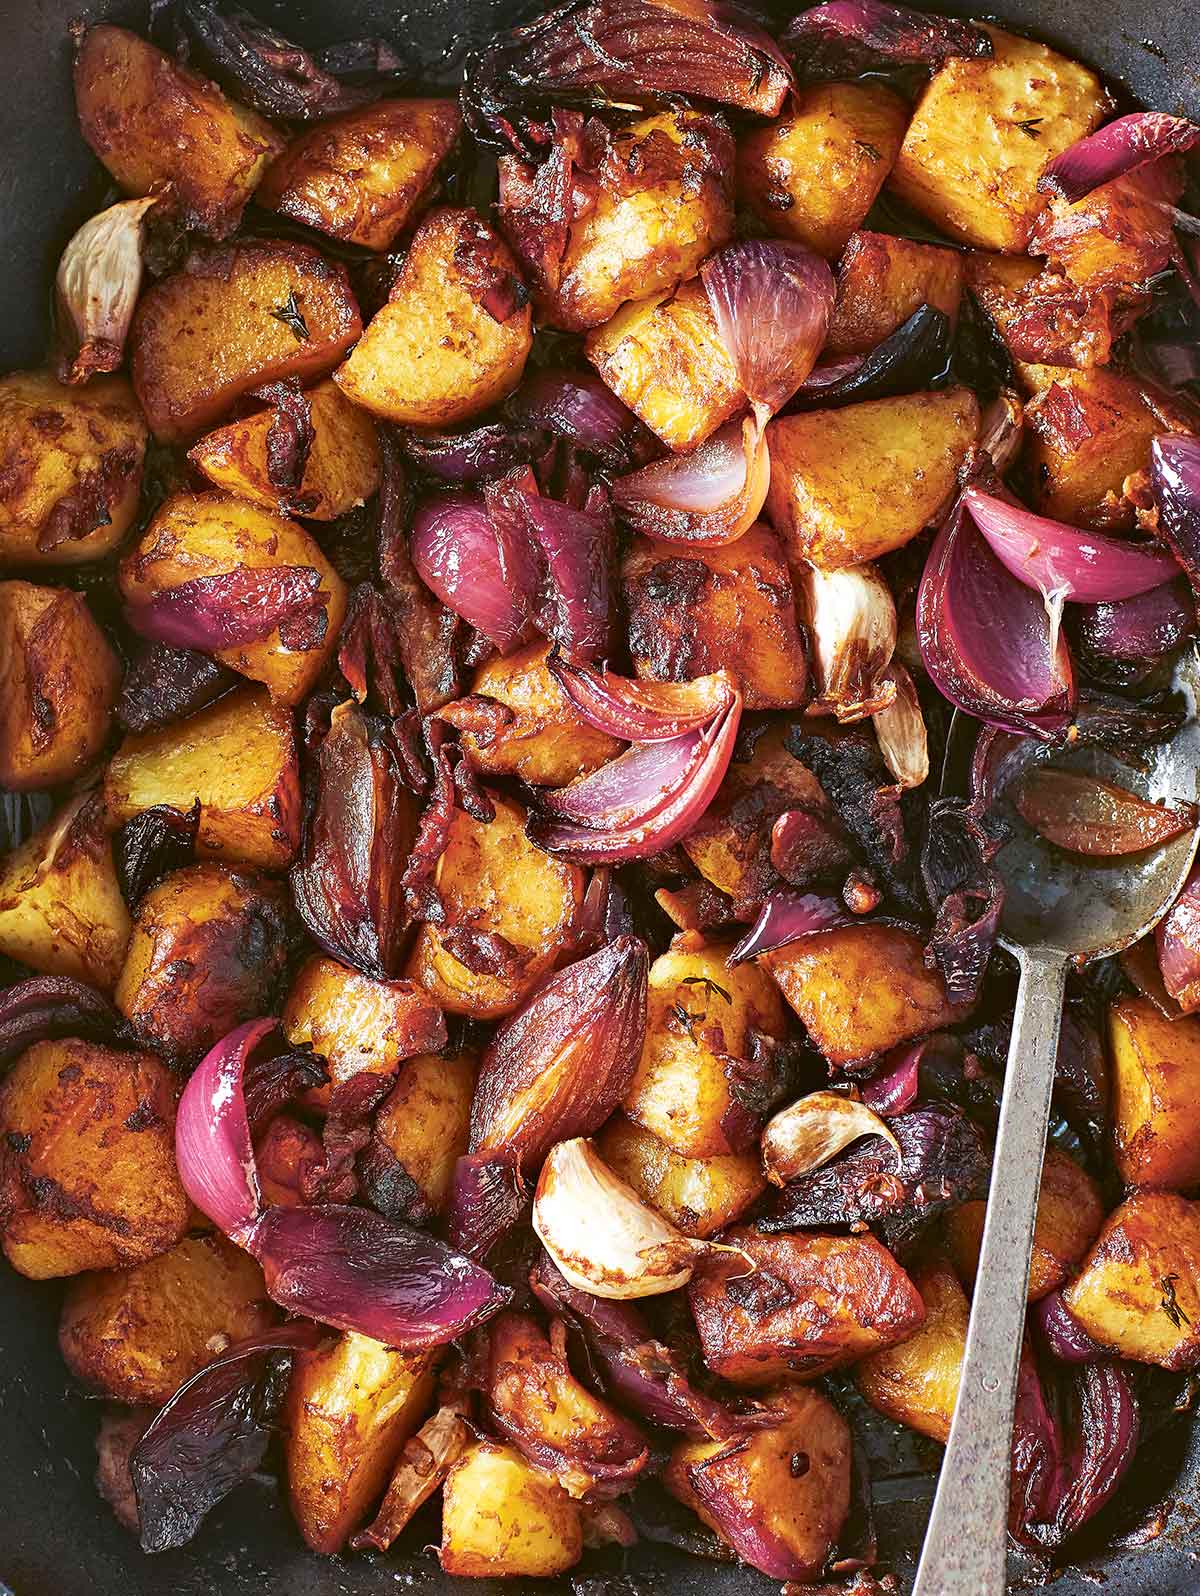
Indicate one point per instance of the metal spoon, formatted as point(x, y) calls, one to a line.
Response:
point(1060, 910)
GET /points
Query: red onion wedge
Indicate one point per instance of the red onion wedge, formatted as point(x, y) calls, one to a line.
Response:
point(894, 1086)
point(224, 611)
point(785, 918)
point(467, 457)
point(1084, 567)
point(1115, 150)
point(1175, 477)
point(50, 1006)
point(706, 498)
point(1177, 936)
point(1062, 1331)
point(772, 301)
point(575, 549)
point(578, 406)
point(642, 712)
point(845, 38)
point(476, 563)
point(212, 1133)
point(1134, 634)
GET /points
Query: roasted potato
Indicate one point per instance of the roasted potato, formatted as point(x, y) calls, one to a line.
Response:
point(881, 281)
point(698, 1195)
point(59, 679)
point(61, 908)
point(1069, 1215)
point(233, 317)
point(238, 757)
point(208, 950)
point(154, 122)
point(815, 173)
point(436, 354)
point(789, 1480)
point(983, 132)
point(812, 1302)
point(421, 1130)
point(342, 469)
point(502, 896)
point(284, 1154)
point(87, 1160)
point(1042, 318)
point(70, 468)
point(359, 176)
point(695, 611)
point(664, 358)
point(1119, 236)
point(704, 1024)
point(137, 1334)
point(501, 1518)
point(1138, 1290)
point(1156, 1076)
point(519, 722)
point(849, 485)
point(349, 1409)
point(916, 1382)
point(200, 536)
point(861, 989)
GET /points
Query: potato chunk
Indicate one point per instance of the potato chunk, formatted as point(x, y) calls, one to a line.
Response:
point(238, 757)
point(59, 680)
point(983, 132)
point(815, 173)
point(881, 281)
point(1156, 1078)
point(698, 1195)
point(70, 468)
point(285, 1152)
point(1119, 236)
point(195, 536)
point(208, 949)
point(421, 1130)
point(664, 358)
point(861, 989)
point(696, 611)
point(1069, 1215)
point(1043, 319)
point(434, 355)
point(87, 1160)
point(61, 908)
point(137, 1334)
point(153, 122)
point(818, 1302)
point(349, 1409)
point(495, 883)
point(501, 1518)
point(849, 485)
point(1138, 1290)
point(232, 318)
point(916, 1382)
point(519, 722)
point(342, 469)
point(359, 176)
point(790, 1481)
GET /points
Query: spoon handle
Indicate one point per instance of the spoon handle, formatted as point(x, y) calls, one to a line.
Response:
point(966, 1542)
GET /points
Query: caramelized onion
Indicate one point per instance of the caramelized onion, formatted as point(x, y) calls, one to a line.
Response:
point(642, 711)
point(575, 550)
point(150, 845)
point(96, 289)
point(476, 564)
point(851, 621)
point(467, 457)
point(1177, 937)
point(909, 360)
point(1086, 815)
point(845, 38)
point(163, 684)
point(578, 406)
point(1175, 476)
point(1116, 149)
point(46, 1007)
point(1124, 641)
point(814, 1130)
point(785, 918)
point(211, 613)
point(705, 498)
point(1062, 1331)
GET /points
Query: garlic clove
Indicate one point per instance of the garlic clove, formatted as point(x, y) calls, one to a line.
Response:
point(851, 619)
point(96, 289)
point(900, 729)
point(814, 1130)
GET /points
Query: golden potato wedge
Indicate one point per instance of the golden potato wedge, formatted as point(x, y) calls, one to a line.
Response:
point(87, 1160)
point(816, 1302)
point(501, 1518)
point(194, 536)
point(916, 1382)
point(493, 881)
point(70, 468)
point(137, 1334)
point(664, 359)
point(1138, 1290)
point(238, 757)
point(1156, 1077)
point(881, 281)
point(861, 989)
point(701, 1021)
point(1044, 320)
point(61, 908)
point(849, 485)
point(208, 950)
point(350, 1407)
point(421, 1130)
point(789, 1480)
point(232, 318)
point(983, 132)
point(695, 611)
point(698, 1195)
point(434, 355)
point(519, 722)
point(359, 176)
point(1069, 1215)
point(1118, 236)
point(815, 173)
point(154, 122)
point(285, 1151)
point(342, 469)
point(59, 679)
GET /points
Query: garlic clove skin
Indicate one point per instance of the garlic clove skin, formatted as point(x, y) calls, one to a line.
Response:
point(900, 730)
point(851, 619)
point(96, 290)
point(814, 1130)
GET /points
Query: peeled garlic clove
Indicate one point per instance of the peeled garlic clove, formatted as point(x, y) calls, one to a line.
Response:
point(96, 289)
point(851, 620)
point(814, 1130)
point(900, 729)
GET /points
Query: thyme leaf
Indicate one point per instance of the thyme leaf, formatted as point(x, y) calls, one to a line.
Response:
point(291, 315)
point(709, 986)
point(1169, 1305)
